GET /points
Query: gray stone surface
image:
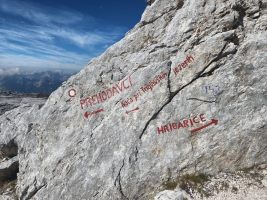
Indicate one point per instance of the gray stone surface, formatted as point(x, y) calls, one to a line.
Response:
point(8, 168)
point(118, 154)
point(177, 194)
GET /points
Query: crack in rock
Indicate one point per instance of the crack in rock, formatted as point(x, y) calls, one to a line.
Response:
point(34, 192)
point(173, 94)
point(201, 74)
point(118, 180)
point(26, 195)
point(206, 101)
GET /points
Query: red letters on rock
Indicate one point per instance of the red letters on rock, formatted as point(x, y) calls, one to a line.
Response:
point(183, 65)
point(148, 87)
point(186, 123)
point(106, 94)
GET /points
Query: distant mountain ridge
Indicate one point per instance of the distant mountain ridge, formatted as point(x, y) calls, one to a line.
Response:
point(38, 82)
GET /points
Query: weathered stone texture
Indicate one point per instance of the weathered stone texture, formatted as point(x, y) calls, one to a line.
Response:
point(114, 155)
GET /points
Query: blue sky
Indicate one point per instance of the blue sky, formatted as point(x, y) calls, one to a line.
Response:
point(62, 34)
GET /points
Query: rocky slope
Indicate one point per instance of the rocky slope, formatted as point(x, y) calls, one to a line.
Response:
point(11, 100)
point(182, 97)
point(9, 165)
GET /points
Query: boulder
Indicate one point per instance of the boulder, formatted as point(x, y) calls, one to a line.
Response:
point(211, 108)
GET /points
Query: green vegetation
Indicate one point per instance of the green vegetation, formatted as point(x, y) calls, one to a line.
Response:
point(194, 182)
point(248, 169)
point(170, 185)
point(188, 183)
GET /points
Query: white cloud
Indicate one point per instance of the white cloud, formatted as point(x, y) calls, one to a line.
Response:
point(40, 14)
point(52, 62)
point(9, 71)
point(84, 39)
point(53, 38)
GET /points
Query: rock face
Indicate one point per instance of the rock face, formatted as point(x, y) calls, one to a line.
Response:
point(183, 93)
point(149, 2)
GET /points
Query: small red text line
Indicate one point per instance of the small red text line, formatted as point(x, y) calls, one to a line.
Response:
point(183, 65)
point(148, 87)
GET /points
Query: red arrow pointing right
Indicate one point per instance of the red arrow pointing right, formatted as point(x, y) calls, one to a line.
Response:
point(213, 121)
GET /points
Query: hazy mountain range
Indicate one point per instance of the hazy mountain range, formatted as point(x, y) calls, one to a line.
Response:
point(37, 82)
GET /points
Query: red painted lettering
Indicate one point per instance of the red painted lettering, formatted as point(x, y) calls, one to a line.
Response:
point(161, 130)
point(166, 128)
point(82, 102)
point(202, 117)
point(136, 96)
point(175, 71)
point(158, 79)
point(185, 123)
point(124, 103)
point(180, 66)
point(104, 96)
point(120, 88)
point(180, 125)
point(174, 125)
point(191, 122)
point(114, 90)
point(123, 82)
point(144, 89)
point(109, 92)
point(130, 80)
point(185, 64)
point(99, 99)
point(195, 120)
point(170, 126)
point(189, 58)
point(89, 100)
point(94, 99)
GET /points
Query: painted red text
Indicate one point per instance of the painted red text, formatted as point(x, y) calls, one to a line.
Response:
point(183, 65)
point(106, 94)
point(144, 89)
point(185, 123)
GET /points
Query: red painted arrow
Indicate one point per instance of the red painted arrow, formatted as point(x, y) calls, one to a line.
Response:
point(87, 114)
point(213, 121)
point(127, 112)
point(98, 111)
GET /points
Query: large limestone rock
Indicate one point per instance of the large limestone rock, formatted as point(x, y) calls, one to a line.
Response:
point(183, 93)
